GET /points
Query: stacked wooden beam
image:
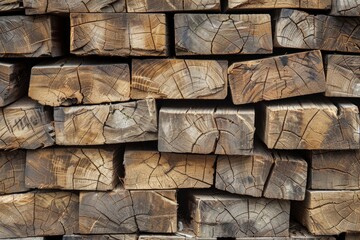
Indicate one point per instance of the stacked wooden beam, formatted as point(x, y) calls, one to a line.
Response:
point(190, 119)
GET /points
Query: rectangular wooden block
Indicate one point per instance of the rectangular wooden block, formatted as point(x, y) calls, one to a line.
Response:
point(342, 76)
point(352, 236)
point(298, 232)
point(12, 172)
point(28, 36)
point(172, 5)
point(271, 4)
point(205, 130)
point(26, 124)
point(101, 237)
point(178, 79)
point(305, 124)
point(128, 212)
point(298, 29)
point(118, 34)
point(71, 169)
point(10, 5)
point(75, 81)
point(38, 214)
point(226, 215)
point(33, 7)
point(205, 34)
point(329, 212)
point(146, 168)
point(162, 237)
point(277, 77)
point(345, 8)
point(106, 124)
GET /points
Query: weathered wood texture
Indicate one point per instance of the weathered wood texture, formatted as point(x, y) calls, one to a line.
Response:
point(172, 5)
point(71, 169)
point(263, 174)
point(342, 76)
point(74, 81)
point(28, 36)
point(162, 237)
point(146, 168)
point(298, 232)
point(33, 7)
point(106, 124)
point(118, 34)
point(10, 5)
point(225, 34)
point(352, 236)
point(345, 8)
point(277, 77)
point(334, 170)
point(298, 29)
point(305, 124)
point(12, 172)
point(271, 4)
point(225, 215)
point(206, 130)
point(178, 79)
point(38, 214)
point(25, 124)
point(128, 212)
point(101, 237)
point(329, 212)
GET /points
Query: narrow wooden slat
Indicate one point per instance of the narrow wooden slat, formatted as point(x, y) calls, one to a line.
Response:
point(225, 34)
point(298, 232)
point(178, 79)
point(172, 5)
point(10, 5)
point(271, 4)
point(12, 172)
point(345, 8)
point(277, 77)
point(101, 237)
point(75, 81)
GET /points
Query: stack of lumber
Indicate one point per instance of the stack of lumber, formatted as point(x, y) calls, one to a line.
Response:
point(180, 119)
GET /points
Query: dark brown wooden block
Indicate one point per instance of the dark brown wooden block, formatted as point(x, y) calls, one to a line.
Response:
point(28, 36)
point(178, 79)
point(118, 34)
point(345, 8)
point(12, 172)
point(106, 124)
point(75, 81)
point(205, 34)
point(277, 77)
point(271, 4)
point(172, 5)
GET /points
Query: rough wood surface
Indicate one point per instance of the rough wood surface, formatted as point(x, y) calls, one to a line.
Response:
point(106, 124)
point(38, 214)
point(162, 237)
point(10, 5)
point(345, 8)
point(352, 236)
point(298, 232)
point(148, 211)
point(298, 29)
point(118, 34)
point(277, 77)
point(310, 125)
point(101, 237)
point(334, 170)
point(342, 76)
point(178, 79)
point(206, 130)
point(329, 212)
point(146, 168)
point(71, 169)
point(33, 7)
point(25, 124)
point(172, 5)
point(28, 36)
point(12, 172)
point(225, 34)
point(271, 4)
point(225, 215)
point(75, 81)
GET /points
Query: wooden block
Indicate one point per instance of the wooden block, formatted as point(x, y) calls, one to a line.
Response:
point(172, 5)
point(101, 237)
point(271, 4)
point(345, 8)
point(26, 124)
point(33, 7)
point(226, 215)
point(146, 211)
point(298, 29)
point(309, 125)
point(178, 79)
point(28, 36)
point(203, 34)
point(118, 34)
point(10, 5)
point(162, 237)
point(12, 172)
point(38, 214)
point(206, 130)
point(277, 77)
point(343, 76)
point(106, 124)
point(74, 81)
point(298, 232)
point(71, 169)
point(352, 236)
point(329, 212)
point(146, 168)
